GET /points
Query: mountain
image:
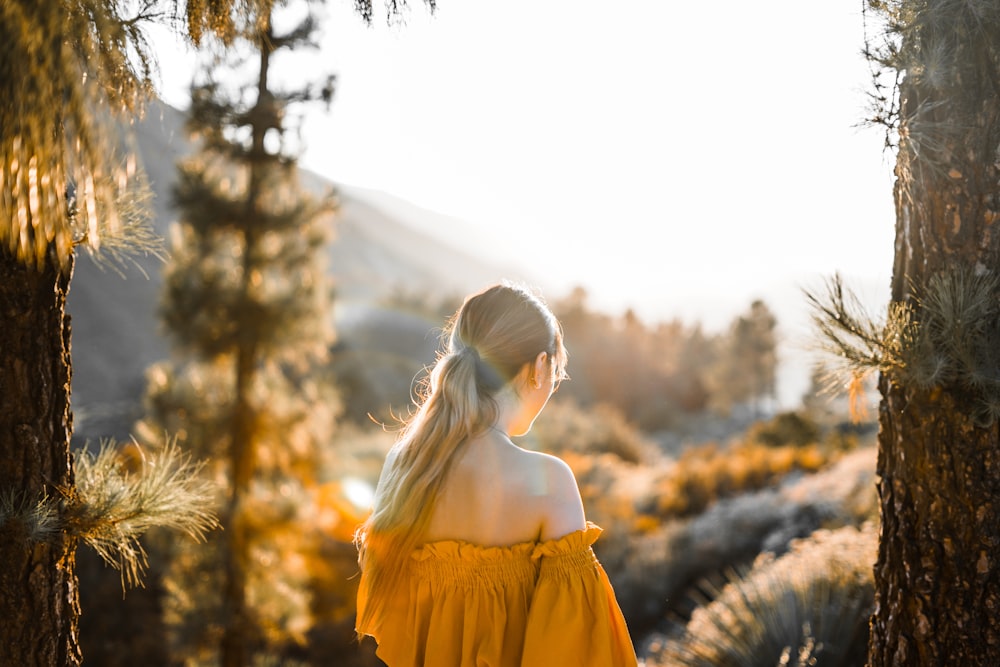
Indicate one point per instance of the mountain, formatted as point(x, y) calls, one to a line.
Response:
point(374, 253)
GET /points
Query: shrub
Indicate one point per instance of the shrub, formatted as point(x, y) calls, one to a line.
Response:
point(785, 428)
point(654, 572)
point(809, 607)
point(708, 473)
point(655, 568)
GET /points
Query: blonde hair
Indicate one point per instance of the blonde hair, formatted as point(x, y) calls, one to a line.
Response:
point(486, 344)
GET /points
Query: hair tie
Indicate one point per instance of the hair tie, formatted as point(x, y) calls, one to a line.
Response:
point(486, 375)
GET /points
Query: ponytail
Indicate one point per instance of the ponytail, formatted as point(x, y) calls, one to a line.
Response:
point(465, 387)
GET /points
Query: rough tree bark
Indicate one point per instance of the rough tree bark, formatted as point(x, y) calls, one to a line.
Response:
point(938, 568)
point(39, 606)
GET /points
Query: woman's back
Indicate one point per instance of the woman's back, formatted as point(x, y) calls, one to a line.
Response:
point(498, 494)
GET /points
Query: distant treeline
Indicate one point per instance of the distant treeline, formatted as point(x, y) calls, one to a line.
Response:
point(654, 374)
point(657, 373)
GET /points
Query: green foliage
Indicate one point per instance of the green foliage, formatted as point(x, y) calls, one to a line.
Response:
point(191, 401)
point(948, 338)
point(134, 237)
point(931, 43)
point(851, 337)
point(809, 607)
point(282, 563)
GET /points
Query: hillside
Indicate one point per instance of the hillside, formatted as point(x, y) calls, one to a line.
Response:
point(116, 333)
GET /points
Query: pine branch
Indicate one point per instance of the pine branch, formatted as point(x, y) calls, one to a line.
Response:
point(115, 503)
point(847, 332)
point(947, 338)
point(134, 236)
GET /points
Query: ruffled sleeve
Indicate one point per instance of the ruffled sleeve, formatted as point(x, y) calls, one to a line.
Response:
point(574, 618)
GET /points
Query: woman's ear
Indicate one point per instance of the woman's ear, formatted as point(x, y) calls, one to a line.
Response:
point(541, 367)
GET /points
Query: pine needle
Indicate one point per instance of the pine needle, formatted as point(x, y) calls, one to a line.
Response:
point(38, 519)
point(114, 503)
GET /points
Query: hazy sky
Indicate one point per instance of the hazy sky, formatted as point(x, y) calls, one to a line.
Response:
point(679, 158)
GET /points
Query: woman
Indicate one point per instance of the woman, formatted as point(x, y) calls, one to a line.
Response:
point(477, 552)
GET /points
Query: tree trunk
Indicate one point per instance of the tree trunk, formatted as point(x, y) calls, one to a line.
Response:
point(938, 575)
point(39, 607)
point(238, 641)
point(938, 571)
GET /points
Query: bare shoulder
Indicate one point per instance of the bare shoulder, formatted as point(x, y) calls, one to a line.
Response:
point(561, 506)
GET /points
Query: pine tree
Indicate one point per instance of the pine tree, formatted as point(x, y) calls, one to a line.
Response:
point(937, 576)
point(746, 370)
point(937, 579)
point(248, 305)
point(69, 71)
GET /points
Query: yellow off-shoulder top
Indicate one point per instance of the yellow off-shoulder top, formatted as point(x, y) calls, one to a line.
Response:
point(533, 604)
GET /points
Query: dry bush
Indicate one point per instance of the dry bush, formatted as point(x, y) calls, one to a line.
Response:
point(834, 430)
point(654, 572)
point(849, 484)
point(785, 428)
point(737, 502)
point(654, 568)
point(708, 473)
point(809, 607)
